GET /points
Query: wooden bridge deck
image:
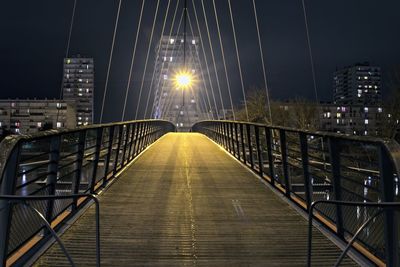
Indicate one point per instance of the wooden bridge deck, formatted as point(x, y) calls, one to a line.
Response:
point(186, 202)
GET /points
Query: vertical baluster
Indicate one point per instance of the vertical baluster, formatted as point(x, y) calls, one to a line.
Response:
point(51, 181)
point(237, 141)
point(249, 145)
point(259, 151)
point(306, 173)
point(285, 167)
point(99, 139)
point(76, 183)
point(268, 137)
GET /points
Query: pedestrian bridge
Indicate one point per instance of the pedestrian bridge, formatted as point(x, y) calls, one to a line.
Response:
point(228, 193)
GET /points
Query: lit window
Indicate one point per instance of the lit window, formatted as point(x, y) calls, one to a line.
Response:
point(171, 41)
point(359, 95)
point(193, 42)
point(165, 58)
point(365, 132)
point(39, 124)
point(365, 77)
point(165, 76)
point(354, 132)
point(181, 40)
point(328, 114)
point(59, 124)
point(80, 89)
point(87, 90)
point(17, 130)
point(87, 67)
point(170, 59)
point(337, 121)
point(365, 109)
point(86, 119)
point(68, 61)
point(192, 101)
point(58, 105)
point(80, 94)
point(181, 112)
point(181, 124)
point(379, 110)
point(87, 81)
point(80, 118)
point(338, 115)
point(389, 115)
point(67, 76)
point(366, 121)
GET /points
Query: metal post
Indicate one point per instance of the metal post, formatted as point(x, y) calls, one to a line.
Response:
point(128, 128)
point(54, 158)
point(79, 162)
point(306, 173)
point(132, 141)
point(228, 136)
point(243, 145)
point(268, 137)
point(237, 141)
point(99, 139)
point(334, 155)
point(109, 152)
point(7, 187)
point(285, 167)
point(259, 151)
point(250, 145)
point(121, 130)
point(387, 193)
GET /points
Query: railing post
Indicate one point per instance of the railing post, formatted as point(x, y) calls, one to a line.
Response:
point(232, 139)
point(109, 152)
point(138, 131)
point(99, 139)
point(243, 145)
point(306, 173)
point(133, 127)
point(334, 155)
point(390, 225)
point(128, 128)
point(237, 141)
point(7, 187)
point(79, 162)
point(259, 151)
point(121, 130)
point(54, 158)
point(228, 141)
point(285, 167)
point(248, 130)
point(268, 137)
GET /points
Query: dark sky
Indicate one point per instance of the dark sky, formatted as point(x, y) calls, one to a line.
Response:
point(34, 36)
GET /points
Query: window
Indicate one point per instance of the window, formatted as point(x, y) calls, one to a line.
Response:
point(379, 110)
point(328, 114)
point(59, 124)
point(171, 41)
point(165, 76)
point(366, 121)
point(193, 42)
point(338, 115)
point(58, 105)
point(170, 59)
point(39, 124)
point(366, 110)
point(165, 58)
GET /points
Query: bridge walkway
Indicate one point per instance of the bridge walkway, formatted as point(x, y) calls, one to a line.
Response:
point(186, 202)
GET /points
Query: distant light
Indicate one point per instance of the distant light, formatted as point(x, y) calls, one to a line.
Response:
point(183, 79)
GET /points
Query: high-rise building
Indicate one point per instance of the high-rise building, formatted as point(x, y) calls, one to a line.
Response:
point(359, 84)
point(183, 107)
point(78, 87)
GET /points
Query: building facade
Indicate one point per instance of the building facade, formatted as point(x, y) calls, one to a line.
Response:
point(353, 120)
point(183, 107)
point(78, 87)
point(359, 84)
point(29, 116)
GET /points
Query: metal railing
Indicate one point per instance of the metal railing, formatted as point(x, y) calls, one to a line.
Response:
point(64, 163)
point(388, 207)
point(311, 166)
point(30, 202)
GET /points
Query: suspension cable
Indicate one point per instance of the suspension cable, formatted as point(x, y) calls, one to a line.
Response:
point(201, 70)
point(238, 60)
point(205, 59)
point(147, 56)
point(202, 75)
point(133, 59)
point(109, 61)
point(310, 52)
point(213, 59)
point(223, 60)
point(67, 53)
point(262, 61)
point(158, 52)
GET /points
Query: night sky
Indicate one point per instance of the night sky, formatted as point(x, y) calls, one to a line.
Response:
point(34, 37)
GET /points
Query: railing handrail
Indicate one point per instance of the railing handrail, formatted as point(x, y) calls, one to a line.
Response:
point(384, 205)
point(15, 199)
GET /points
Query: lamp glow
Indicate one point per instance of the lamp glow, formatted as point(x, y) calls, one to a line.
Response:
point(183, 80)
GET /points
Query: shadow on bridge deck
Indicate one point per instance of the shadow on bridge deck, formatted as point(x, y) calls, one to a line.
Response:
point(185, 201)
